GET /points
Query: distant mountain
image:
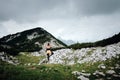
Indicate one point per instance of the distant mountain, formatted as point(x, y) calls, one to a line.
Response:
point(68, 42)
point(102, 43)
point(28, 41)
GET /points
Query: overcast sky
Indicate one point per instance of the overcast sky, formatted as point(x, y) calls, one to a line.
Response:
point(77, 20)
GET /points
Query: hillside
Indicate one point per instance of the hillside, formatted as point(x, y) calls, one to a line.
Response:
point(102, 43)
point(86, 55)
point(96, 62)
point(28, 41)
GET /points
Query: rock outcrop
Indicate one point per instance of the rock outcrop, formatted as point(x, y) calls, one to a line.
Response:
point(94, 54)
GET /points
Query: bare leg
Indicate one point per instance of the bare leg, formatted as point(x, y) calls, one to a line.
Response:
point(48, 57)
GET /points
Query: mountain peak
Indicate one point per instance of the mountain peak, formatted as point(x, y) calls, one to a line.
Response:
point(37, 28)
point(29, 40)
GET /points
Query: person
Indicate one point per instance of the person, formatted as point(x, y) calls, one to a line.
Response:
point(48, 51)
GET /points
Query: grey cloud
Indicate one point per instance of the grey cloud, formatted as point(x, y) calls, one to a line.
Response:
point(97, 7)
point(26, 9)
point(34, 10)
point(78, 20)
point(2, 30)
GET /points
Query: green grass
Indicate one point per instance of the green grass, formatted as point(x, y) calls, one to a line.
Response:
point(27, 58)
point(88, 67)
point(42, 72)
point(50, 71)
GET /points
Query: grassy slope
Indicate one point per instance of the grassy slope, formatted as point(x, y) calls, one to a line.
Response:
point(26, 58)
point(104, 42)
point(51, 71)
point(42, 72)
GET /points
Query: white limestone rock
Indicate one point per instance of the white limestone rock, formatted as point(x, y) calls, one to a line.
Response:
point(94, 54)
point(82, 78)
point(110, 72)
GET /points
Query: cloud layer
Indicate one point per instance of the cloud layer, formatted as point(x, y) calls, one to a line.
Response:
point(78, 20)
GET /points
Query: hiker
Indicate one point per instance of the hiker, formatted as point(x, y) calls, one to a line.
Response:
point(48, 51)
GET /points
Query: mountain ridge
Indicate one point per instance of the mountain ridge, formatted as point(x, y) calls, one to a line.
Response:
point(111, 40)
point(29, 40)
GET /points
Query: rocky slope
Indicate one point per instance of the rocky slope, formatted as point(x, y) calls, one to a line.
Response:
point(8, 58)
point(97, 63)
point(91, 55)
point(28, 41)
point(71, 56)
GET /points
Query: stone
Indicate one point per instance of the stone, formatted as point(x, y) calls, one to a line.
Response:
point(76, 73)
point(82, 78)
point(98, 73)
point(115, 75)
point(83, 70)
point(110, 72)
point(102, 66)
